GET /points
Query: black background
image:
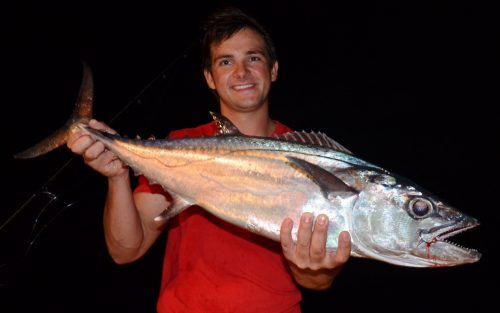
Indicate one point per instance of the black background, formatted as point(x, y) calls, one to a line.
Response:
point(410, 87)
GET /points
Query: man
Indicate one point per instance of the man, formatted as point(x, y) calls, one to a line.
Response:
point(210, 265)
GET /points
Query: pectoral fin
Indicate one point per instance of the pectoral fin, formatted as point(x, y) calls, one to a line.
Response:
point(329, 184)
point(178, 205)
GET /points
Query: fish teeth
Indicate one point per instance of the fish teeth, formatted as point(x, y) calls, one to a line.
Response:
point(460, 246)
point(453, 232)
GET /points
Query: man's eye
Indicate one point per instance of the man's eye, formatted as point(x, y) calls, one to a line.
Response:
point(254, 58)
point(224, 62)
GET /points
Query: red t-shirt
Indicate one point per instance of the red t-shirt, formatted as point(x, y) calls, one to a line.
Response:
point(213, 266)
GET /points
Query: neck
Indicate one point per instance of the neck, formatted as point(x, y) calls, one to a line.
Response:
point(253, 123)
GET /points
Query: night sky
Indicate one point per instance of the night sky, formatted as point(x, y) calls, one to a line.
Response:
point(409, 87)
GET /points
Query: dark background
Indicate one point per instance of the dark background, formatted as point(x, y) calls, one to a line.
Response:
point(409, 87)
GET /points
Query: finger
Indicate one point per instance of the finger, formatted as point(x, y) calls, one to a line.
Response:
point(80, 144)
point(101, 126)
point(304, 238)
point(287, 243)
point(73, 137)
point(319, 238)
point(344, 249)
point(93, 152)
point(108, 156)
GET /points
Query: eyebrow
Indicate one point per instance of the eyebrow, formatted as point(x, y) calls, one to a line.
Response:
point(249, 52)
point(256, 52)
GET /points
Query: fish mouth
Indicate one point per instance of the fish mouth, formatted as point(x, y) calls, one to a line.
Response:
point(447, 233)
point(443, 252)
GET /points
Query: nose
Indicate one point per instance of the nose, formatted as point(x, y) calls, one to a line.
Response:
point(240, 70)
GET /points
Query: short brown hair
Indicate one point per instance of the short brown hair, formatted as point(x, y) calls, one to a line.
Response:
point(224, 23)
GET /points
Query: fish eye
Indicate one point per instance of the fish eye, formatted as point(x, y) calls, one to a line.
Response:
point(420, 207)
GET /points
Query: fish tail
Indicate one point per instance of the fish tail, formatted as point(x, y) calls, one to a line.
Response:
point(82, 113)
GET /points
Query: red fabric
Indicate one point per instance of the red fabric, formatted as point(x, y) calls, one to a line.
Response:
point(213, 266)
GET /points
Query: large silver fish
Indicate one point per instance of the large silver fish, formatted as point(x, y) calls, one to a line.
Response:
point(257, 182)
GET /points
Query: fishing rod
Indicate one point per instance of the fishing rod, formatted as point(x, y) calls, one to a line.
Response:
point(165, 76)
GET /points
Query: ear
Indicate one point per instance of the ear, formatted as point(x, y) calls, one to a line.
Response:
point(209, 79)
point(274, 71)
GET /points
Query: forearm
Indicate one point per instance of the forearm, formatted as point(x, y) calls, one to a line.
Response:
point(122, 223)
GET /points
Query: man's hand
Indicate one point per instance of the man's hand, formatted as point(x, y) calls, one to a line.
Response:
point(311, 264)
point(95, 154)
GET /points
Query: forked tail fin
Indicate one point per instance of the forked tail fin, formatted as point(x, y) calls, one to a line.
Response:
point(81, 114)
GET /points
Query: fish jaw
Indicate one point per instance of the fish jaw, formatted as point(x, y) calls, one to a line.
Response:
point(428, 249)
point(385, 228)
point(436, 250)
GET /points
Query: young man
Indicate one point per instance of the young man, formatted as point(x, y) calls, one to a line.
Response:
point(210, 265)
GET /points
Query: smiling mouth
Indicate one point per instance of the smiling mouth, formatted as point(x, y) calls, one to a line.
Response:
point(243, 87)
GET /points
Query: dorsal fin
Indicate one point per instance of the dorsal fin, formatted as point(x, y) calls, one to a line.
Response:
point(312, 138)
point(224, 125)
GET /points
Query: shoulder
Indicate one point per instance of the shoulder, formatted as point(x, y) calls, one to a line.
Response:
point(281, 128)
point(208, 129)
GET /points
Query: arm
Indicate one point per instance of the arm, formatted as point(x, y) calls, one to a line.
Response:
point(311, 264)
point(129, 225)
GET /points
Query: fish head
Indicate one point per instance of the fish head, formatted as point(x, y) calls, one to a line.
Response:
point(401, 224)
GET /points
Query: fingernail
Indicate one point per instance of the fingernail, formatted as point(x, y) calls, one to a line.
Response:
point(307, 217)
point(344, 236)
point(321, 219)
point(289, 222)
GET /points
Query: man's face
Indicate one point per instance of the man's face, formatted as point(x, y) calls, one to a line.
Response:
point(241, 74)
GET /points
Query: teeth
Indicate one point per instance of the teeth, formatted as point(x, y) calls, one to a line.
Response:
point(443, 237)
point(239, 87)
point(460, 246)
point(453, 232)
